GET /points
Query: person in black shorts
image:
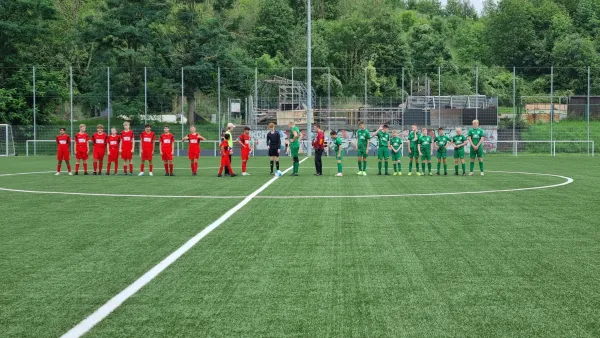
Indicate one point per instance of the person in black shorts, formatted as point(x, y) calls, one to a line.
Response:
point(274, 144)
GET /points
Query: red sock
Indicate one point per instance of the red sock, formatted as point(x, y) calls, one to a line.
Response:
point(167, 167)
point(108, 168)
point(231, 170)
point(69, 167)
point(151, 167)
point(192, 165)
point(76, 167)
point(116, 166)
point(95, 166)
point(131, 167)
point(244, 167)
point(142, 167)
point(171, 167)
point(85, 167)
point(125, 169)
point(196, 167)
point(101, 165)
point(58, 168)
point(220, 170)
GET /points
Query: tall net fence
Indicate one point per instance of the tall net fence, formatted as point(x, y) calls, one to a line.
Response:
point(542, 111)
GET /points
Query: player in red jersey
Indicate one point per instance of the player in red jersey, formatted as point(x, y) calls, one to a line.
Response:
point(244, 141)
point(63, 153)
point(194, 150)
point(225, 162)
point(127, 148)
point(147, 144)
point(113, 150)
point(82, 149)
point(167, 149)
point(100, 140)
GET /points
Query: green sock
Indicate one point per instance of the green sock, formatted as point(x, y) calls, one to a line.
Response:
point(417, 165)
point(445, 168)
point(481, 166)
point(456, 168)
point(464, 168)
point(296, 167)
point(409, 167)
point(399, 167)
point(429, 167)
point(379, 166)
point(438, 167)
point(471, 166)
point(395, 168)
point(423, 167)
point(364, 165)
point(339, 165)
point(359, 165)
point(386, 166)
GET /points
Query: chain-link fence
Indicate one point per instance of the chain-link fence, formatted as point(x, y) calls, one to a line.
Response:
point(545, 111)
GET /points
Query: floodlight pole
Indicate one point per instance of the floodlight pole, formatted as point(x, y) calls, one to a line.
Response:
point(108, 94)
point(551, 106)
point(71, 100)
point(34, 119)
point(309, 80)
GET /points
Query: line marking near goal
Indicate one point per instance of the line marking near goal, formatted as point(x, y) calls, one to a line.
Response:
point(568, 180)
point(87, 324)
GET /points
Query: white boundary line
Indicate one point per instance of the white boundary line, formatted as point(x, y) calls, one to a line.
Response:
point(87, 324)
point(568, 180)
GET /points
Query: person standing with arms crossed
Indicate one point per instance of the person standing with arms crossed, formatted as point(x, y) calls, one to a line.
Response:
point(319, 146)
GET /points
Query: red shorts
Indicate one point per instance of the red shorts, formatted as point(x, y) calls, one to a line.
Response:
point(81, 155)
point(225, 161)
point(147, 154)
point(114, 156)
point(167, 156)
point(99, 154)
point(63, 155)
point(126, 155)
point(245, 155)
point(193, 155)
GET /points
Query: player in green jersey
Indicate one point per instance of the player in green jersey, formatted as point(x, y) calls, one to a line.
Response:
point(413, 151)
point(383, 152)
point(441, 141)
point(476, 137)
point(364, 137)
point(337, 147)
point(459, 141)
point(424, 147)
point(396, 143)
point(294, 146)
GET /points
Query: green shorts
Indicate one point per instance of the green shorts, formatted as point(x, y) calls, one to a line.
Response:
point(340, 157)
point(383, 153)
point(476, 153)
point(294, 150)
point(459, 152)
point(396, 156)
point(414, 152)
point(362, 151)
point(426, 155)
point(440, 153)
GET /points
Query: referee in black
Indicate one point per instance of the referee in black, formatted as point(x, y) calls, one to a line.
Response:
point(274, 144)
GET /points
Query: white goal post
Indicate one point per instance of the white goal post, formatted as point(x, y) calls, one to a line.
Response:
point(7, 140)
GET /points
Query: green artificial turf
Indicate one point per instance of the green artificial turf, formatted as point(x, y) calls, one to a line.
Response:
point(522, 263)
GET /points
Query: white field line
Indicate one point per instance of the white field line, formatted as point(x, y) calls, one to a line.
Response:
point(568, 180)
point(87, 324)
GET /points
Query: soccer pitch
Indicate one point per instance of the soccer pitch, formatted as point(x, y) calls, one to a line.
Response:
point(512, 253)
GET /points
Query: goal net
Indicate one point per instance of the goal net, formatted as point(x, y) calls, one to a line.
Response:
point(7, 140)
